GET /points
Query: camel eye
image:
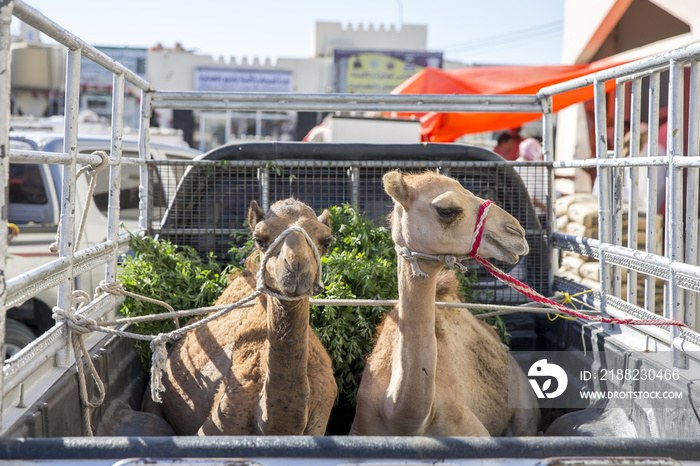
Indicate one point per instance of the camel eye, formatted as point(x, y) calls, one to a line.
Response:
point(448, 213)
point(260, 243)
point(326, 243)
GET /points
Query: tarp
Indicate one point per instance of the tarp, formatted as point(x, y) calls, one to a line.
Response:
point(446, 127)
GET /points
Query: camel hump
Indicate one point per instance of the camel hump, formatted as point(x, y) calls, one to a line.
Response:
point(448, 288)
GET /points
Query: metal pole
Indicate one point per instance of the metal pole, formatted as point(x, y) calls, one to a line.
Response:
point(115, 176)
point(632, 216)
point(145, 211)
point(548, 154)
point(355, 186)
point(691, 203)
point(674, 204)
point(5, 82)
point(227, 127)
point(264, 180)
point(67, 220)
point(258, 125)
point(202, 142)
point(617, 183)
point(652, 188)
point(604, 192)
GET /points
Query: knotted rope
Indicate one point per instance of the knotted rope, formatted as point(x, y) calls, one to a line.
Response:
point(78, 325)
point(92, 172)
point(456, 261)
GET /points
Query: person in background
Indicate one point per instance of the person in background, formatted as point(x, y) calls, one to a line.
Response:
point(505, 145)
point(517, 139)
point(535, 177)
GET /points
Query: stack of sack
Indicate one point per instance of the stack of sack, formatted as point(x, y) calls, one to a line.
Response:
point(577, 214)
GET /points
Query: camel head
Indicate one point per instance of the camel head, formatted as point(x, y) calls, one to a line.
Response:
point(434, 214)
point(292, 269)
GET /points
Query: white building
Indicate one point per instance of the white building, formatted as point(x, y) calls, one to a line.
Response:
point(326, 70)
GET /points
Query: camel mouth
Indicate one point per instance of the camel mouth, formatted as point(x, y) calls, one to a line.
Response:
point(296, 285)
point(508, 250)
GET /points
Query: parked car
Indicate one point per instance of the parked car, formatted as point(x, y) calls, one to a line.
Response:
point(34, 207)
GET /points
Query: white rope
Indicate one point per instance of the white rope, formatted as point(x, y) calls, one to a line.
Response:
point(413, 257)
point(78, 325)
point(92, 172)
point(324, 302)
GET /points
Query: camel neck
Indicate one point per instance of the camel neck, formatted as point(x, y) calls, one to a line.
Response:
point(411, 391)
point(287, 326)
point(417, 294)
point(283, 402)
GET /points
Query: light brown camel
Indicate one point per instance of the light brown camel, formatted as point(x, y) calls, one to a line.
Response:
point(439, 371)
point(259, 370)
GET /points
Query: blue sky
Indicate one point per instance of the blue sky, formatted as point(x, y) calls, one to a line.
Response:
point(470, 31)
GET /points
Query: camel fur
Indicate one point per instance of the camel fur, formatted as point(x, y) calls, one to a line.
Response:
point(259, 370)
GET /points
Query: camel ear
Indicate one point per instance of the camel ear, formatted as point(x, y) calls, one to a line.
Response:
point(255, 214)
point(396, 187)
point(325, 218)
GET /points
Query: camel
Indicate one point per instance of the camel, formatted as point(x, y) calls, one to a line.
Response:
point(259, 370)
point(439, 371)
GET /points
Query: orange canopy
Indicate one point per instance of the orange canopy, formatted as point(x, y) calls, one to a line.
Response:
point(446, 127)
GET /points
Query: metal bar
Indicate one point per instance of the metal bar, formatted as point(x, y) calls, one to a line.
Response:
point(650, 64)
point(419, 99)
point(693, 180)
point(412, 164)
point(115, 175)
point(70, 146)
point(348, 107)
point(35, 19)
point(227, 127)
point(202, 136)
point(5, 84)
point(198, 231)
point(617, 183)
point(50, 342)
point(632, 215)
point(658, 266)
point(625, 162)
point(264, 179)
point(355, 185)
point(652, 186)
point(32, 156)
point(548, 156)
point(644, 74)
point(59, 265)
point(674, 202)
point(604, 194)
point(687, 161)
point(145, 220)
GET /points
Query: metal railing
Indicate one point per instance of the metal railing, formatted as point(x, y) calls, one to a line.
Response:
point(677, 266)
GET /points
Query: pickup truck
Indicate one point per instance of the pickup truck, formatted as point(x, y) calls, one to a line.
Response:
point(42, 420)
point(34, 207)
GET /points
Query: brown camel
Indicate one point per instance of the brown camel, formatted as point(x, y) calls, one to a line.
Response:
point(259, 370)
point(439, 371)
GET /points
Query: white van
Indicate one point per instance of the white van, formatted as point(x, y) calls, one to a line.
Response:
point(34, 207)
